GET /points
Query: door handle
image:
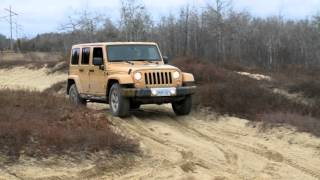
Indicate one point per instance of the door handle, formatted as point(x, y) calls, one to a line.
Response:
point(91, 70)
point(81, 70)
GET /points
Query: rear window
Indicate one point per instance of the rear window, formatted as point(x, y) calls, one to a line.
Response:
point(97, 52)
point(75, 56)
point(85, 56)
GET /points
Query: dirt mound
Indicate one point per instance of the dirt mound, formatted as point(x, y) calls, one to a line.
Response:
point(25, 78)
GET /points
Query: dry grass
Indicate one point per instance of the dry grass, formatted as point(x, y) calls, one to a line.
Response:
point(309, 88)
point(302, 123)
point(305, 80)
point(31, 56)
point(37, 124)
point(58, 88)
point(230, 93)
point(34, 60)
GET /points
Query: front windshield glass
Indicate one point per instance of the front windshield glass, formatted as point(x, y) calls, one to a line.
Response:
point(120, 53)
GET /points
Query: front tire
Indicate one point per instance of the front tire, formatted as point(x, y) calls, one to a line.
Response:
point(119, 105)
point(183, 107)
point(74, 96)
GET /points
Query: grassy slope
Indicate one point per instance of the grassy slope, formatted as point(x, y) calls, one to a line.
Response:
point(37, 124)
point(227, 92)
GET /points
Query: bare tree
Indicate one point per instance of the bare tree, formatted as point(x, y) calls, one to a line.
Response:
point(214, 17)
point(135, 22)
point(215, 33)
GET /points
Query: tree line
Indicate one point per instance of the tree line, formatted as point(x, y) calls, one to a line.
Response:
point(4, 43)
point(215, 33)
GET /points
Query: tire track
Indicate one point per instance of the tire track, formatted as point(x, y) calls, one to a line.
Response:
point(135, 125)
point(221, 143)
point(6, 170)
point(270, 155)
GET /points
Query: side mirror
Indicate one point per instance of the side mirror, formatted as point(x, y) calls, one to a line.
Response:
point(97, 61)
point(165, 59)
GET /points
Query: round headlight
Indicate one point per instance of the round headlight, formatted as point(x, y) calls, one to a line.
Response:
point(138, 76)
point(176, 75)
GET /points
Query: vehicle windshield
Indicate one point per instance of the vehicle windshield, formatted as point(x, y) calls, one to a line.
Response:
point(118, 53)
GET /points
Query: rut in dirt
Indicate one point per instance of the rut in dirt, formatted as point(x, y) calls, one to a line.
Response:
point(152, 123)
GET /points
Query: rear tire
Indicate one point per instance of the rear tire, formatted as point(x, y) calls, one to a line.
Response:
point(74, 96)
point(183, 107)
point(119, 105)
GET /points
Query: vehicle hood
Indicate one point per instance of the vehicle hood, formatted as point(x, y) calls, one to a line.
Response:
point(125, 68)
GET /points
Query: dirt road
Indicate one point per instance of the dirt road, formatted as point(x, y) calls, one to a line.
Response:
point(200, 146)
point(204, 146)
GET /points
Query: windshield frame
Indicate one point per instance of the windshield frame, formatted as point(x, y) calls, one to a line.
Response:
point(134, 60)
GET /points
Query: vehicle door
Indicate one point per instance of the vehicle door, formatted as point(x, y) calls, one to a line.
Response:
point(75, 62)
point(97, 73)
point(84, 69)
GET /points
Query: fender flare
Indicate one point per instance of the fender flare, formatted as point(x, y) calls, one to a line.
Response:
point(77, 82)
point(187, 77)
point(121, 78)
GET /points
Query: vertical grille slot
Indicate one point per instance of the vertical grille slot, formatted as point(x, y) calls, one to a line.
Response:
point(146, 78)
point(162, 78)
point(166, 75)
point(170, 77)
point(150, 78)
point(158, 78)
point(154, 78)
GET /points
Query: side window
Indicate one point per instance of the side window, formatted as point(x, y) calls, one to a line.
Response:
point(75, 56)
point(97, 53)
point(85, 56)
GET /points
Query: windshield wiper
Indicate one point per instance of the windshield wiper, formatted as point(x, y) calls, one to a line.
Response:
point(129, 62)
point(149, 61)
point(152, 62)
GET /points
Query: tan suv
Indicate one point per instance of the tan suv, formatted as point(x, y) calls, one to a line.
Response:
point(126, 75)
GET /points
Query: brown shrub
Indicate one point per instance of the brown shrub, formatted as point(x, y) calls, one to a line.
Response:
point(291, 76)
point(17, 63)
point(58, 88)
point(38, 124)
point(309, 88)
point(229, 93)
point(203, 71)
point(54, 61)
point(302, 123)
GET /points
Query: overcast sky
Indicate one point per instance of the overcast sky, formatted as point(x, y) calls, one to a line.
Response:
point(39, 16)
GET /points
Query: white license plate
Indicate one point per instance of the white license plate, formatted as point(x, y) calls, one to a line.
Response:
point(163, 92)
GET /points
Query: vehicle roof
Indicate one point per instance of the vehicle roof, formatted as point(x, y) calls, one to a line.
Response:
point(113, 43)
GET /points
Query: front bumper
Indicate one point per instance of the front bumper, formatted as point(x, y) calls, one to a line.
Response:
point(146, 92)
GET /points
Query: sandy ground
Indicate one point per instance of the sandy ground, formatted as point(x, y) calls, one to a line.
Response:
point(200, 146)
point(206, 146)
point(24, 78)
point(255, 76)
point(30, 56)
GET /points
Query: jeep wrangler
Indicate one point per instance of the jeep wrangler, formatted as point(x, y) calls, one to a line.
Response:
point(126, 75)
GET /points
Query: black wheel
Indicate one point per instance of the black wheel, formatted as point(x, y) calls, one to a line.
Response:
point(134, 106)
point(182, 107)
point(119, 105)
point(74, 96)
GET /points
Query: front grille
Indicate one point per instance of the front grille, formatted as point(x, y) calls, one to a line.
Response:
point(158, 78)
